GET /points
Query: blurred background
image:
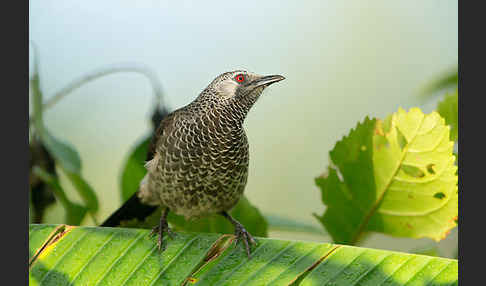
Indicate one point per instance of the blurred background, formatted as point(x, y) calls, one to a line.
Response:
point(343, 60)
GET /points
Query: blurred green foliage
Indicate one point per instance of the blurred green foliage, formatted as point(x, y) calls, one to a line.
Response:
point(64, 156)
point(134, 170)
point(74, 212)
point(448, 79)
point(448, 108)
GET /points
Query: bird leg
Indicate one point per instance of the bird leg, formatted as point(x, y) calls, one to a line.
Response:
point(161, 228)
point(240, 232)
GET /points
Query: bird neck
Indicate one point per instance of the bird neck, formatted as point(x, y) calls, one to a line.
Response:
point(227, 111)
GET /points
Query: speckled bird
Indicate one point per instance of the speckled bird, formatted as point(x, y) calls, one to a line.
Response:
point(200, 153)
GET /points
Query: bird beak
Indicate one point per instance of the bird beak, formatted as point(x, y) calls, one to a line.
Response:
point(267, 80)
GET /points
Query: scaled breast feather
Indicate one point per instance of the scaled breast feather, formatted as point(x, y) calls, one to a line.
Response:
point(152, 164)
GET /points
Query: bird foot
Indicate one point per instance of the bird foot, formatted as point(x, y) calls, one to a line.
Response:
point(160, 229)
point(242, 234)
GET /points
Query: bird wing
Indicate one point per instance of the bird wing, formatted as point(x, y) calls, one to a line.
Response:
point(158, 133)
point(133, 207)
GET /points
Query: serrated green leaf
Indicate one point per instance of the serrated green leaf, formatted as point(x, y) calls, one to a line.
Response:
point(346, 202)
point(119, 256)
point(416, 206)
point(397, 177)
point(448, 108)
point(75, 213)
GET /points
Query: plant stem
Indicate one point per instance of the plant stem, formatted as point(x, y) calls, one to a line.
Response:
point(114, 68)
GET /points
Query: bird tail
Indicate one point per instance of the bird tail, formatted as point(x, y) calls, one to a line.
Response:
point(132, 208)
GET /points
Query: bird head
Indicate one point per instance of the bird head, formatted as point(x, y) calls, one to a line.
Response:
point(233, 93)
point(241, 87)
point(241, 84)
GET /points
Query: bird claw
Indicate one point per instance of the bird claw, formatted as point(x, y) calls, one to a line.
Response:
point(160, 229)
point(242, 234)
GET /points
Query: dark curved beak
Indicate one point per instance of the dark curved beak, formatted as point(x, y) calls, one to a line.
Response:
point(267, 80)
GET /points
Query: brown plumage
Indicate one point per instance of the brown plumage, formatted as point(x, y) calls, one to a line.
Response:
point(200, 152)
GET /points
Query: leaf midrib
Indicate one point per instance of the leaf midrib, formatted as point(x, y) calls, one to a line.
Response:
point(373, 209)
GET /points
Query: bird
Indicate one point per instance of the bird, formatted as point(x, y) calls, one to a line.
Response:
point(198, 159)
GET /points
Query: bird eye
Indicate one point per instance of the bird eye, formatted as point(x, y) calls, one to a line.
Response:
point(240, 78)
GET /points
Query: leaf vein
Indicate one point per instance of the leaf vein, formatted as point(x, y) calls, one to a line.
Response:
point(269, 262)
point(377, 203)
point(110, 237)
point(69, 249)
point(173, 259)
point(110, 267)
point(154, 247)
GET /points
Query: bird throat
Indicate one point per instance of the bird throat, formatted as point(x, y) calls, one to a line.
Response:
point(227, 111)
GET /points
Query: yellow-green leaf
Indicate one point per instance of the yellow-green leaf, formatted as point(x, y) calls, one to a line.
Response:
point(395, 176)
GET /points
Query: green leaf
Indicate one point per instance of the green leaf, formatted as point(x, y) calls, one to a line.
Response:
point(244, 212)
point(448, 108)
point(395, 177)
point(75, 213)
point(84, 189)
point(119, 256)
point(68, 160)
point(41, 195)
point(38, 233)
point(134, 170)
point(64, 155)
point(353, 156)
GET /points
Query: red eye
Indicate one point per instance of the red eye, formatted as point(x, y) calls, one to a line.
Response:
point(240, 78)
